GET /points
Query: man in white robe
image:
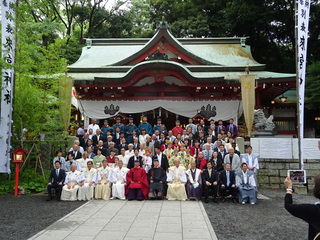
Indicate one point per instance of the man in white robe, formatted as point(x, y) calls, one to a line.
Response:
point(123, 157)
point(102, 189)
point(83, 161)
point(71, 184)
point(246, 183)
point(86, 189)
point(176, 178)
point(251, 159)
point(118, 179)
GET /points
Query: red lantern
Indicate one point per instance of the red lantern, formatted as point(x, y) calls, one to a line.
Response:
point(18, 157)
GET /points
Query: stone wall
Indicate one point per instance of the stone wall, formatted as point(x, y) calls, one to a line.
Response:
point(273, 171)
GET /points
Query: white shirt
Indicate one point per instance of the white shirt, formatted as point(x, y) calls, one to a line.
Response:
point(94, 128)
point(159, 158)
point(245, 177)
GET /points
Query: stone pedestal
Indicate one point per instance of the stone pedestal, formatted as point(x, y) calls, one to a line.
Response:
point(264, 134)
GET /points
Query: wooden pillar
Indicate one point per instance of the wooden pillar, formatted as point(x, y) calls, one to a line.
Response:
point(258, 99)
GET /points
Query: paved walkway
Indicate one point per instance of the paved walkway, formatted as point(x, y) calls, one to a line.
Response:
point(116, 219)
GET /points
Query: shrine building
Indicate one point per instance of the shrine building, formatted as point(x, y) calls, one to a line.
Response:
point(177, 78)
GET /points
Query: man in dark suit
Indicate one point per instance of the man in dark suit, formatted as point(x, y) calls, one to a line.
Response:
point(123, 144)
point(56, 181)
point(101, 147)
point(136, 144)
point(227, 183)
point(96, 138)
point(210, 182)
point(75, 152)
point(84, 141)
point(134, 158)
point(162, 158)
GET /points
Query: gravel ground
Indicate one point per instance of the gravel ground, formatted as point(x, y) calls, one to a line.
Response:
point(23, 216)
point(266, 220)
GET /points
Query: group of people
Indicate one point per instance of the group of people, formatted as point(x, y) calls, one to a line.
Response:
point(144, 162)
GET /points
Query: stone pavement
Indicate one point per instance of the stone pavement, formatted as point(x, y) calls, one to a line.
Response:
point(131, 220)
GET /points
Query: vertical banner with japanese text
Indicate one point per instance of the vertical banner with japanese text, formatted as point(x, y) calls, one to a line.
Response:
point(248, 99)
point(302, 40)
point(8, 55)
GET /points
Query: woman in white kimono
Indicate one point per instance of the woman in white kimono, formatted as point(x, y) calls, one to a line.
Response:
point(102, 189)
point(147, 160)
point(86, 189)
point(71, 184)
point(118, 179)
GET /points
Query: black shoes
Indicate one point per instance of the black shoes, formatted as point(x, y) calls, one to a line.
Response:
point(49, 199)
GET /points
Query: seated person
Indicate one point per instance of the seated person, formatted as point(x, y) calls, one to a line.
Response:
point(56, 180)
point(194, 184)
point(176, 179)
point(137, 183)
point(157, 177)
point(111, 158)
point(246, 183)
point(71, 184)
point(102, 189)
point(86, 189)
point(97, 160)
point(227, 182)
point(71, 161)
point(210, 182)
point(118, 179)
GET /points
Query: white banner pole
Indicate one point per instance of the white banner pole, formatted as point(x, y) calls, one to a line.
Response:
point(301, 28)
point(8, 54)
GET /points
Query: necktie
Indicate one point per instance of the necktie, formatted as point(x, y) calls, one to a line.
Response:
point(228, 179)
point(57, 172)
point(197, 152)
point(210, 174)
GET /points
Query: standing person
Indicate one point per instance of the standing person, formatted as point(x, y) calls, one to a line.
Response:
point(158, 126)
point(93, 126)
point(177, 129)
point(233, 159)
point(133, 158)
point(227, 182)
point(118, 179)
point(147, 160)
point(157, 177)
point(137, 183)
point(84, 141)
point(83, 161)
point(118, 124)
point(216, 162)
point(80, 131)
point(251, 159)
point(143, 136)
point(56, 180)
point(176, 179)
point(210, 179)
point(194, 184)
point(86, 189)
point(129, 130)
point(106, 128)
point(145, 125)
point(162, 158)
point(246, 183)
point(102, 189)
point(220, 127)
point(310, 213)
point(97, 137)
point(192, 125)
point(71, 184)
point(232, 128)
point(59, 158)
